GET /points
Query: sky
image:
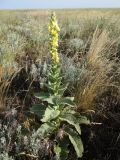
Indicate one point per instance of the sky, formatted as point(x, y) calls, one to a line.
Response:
point(29, 4)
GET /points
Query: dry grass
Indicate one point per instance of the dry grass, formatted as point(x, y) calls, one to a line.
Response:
point(99, 76)
point(5, 76)
point(98, 48)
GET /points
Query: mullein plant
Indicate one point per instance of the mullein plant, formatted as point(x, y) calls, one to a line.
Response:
point(60, 120)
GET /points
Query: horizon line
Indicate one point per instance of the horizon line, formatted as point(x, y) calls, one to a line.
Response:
point(59, 8)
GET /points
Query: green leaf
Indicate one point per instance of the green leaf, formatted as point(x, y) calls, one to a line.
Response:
point(38, 109)
point(62, 90)
point(54, 100)
point(49, 100)
point(45, 97)
point(61, 149)
point(55, 78)
point(76, 141)
point(57, 151)
point(42, 95)
point(64, 148)
point(68, 101)
point(82, 119)
point(71, 119)
point(69, 110)
point(50, 114)
point(45, 130)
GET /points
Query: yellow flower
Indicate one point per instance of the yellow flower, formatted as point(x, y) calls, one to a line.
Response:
point(55, 58)
point(54, 43)
point(57, 27)
point(53, 40)
point(53, 32)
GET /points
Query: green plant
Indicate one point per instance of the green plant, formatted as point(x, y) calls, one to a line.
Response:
point(5, 156)
point(59, 118)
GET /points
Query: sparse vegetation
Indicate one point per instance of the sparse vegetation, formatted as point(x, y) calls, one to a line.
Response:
point(88, 50)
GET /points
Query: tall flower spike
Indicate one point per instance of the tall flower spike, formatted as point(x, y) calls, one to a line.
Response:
point(53, 40)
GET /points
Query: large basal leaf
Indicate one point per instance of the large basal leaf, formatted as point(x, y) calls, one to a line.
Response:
point(38, 109)
point(76, 141)
point(45, 130)
point(71, 119)
point(50, 114)
point(79, 118)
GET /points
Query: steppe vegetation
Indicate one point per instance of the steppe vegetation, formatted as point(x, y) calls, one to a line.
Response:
point(89, 71)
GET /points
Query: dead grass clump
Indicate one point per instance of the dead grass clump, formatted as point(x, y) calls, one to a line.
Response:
point(98, 76)
point(5, 74)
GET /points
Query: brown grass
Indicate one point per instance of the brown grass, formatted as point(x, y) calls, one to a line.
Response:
point(4, 84)
point(98, 76)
